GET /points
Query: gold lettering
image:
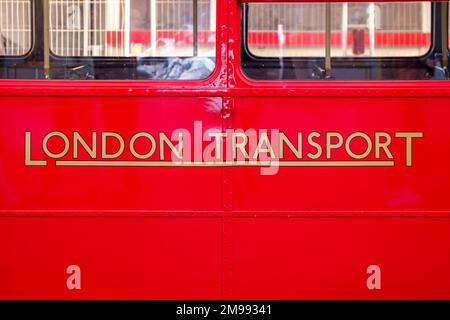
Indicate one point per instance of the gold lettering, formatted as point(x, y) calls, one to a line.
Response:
point(408, 139)
point(239, 145)
point(105, 136)
point(264, 140)
point(45, 144)
point(285, 140)
point(331, 145)
point(152, 147)
point(92, 151)
point(382, 145)
point(28, 161)
point(218, 142)
point(175, 150)
point(314, 144)
point(349, 140)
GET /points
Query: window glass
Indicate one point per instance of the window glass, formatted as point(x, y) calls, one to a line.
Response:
point(343, 41)
point(380, 29)
point(15, 27)
point(121, 28)
point(110, 39)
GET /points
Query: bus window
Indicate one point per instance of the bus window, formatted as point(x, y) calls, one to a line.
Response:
point(342, 41)
point(118, 40)
point(119, 28)
point(15, 27)
point(383, 29)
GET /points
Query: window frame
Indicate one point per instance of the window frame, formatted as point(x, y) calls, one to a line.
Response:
point(62, 62)
point(35, 58)
point(251, 61)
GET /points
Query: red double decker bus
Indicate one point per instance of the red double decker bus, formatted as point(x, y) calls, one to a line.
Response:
point(202, 149)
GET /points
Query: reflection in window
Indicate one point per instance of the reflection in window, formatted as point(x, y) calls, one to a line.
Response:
point(109, 39)
point(15, 27)
point(124, 28)
point(382, 29)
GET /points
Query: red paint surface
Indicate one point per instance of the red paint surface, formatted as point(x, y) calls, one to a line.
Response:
point(157, 189)
point(323, 258)
point(212, 233)
point(120, 258)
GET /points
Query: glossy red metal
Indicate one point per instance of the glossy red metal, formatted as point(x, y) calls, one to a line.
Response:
point(225, 232)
